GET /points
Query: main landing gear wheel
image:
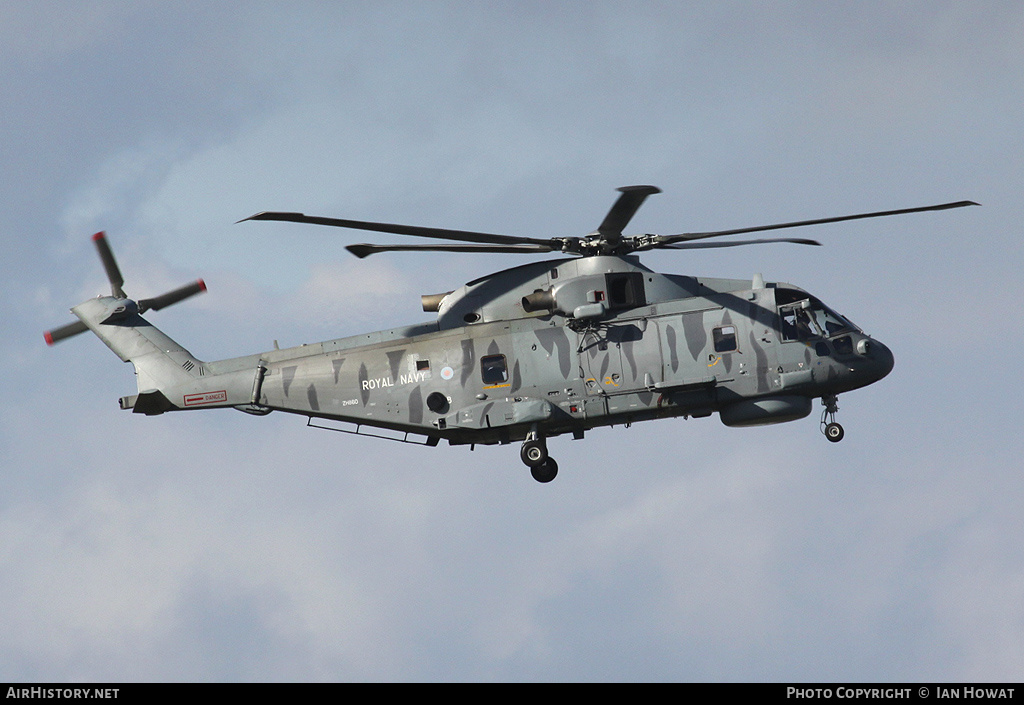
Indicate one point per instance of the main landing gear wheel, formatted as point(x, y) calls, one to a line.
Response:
point(832, 430)
point(546, 471)
point(534, 453)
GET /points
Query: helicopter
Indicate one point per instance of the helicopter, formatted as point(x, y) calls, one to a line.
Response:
point(559, 346)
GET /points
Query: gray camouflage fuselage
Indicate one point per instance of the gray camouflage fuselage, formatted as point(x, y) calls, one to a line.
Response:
point(551, 347)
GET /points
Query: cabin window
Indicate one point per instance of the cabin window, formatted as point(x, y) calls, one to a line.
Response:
point(422, 365)
point(724, 338)
point(494, 369)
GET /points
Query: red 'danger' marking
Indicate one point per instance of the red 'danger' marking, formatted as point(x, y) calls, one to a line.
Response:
point(206, 398)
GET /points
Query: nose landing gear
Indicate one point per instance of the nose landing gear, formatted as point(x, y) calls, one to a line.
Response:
point(832, 430)
point(535, 455)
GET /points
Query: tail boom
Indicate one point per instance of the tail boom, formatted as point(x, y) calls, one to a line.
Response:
point(169, 377)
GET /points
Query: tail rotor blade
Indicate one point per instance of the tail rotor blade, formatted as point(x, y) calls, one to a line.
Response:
point(58, 334)
point(109, 264)
point(172, 297)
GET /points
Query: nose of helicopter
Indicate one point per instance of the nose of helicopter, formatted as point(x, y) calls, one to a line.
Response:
point(871, 362)
point(881, 360)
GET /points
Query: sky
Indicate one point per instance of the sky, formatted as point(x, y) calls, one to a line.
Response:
point(224, 547)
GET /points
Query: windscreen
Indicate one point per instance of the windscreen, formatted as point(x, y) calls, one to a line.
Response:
point(805, 317)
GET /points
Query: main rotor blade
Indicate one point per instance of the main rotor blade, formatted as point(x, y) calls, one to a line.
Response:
point(414, 230)
point(58, 334)
point(109, 264)
point(365, 250)
point(683, 237)
point(623, 211)
point(172, 297)
point(736, 243)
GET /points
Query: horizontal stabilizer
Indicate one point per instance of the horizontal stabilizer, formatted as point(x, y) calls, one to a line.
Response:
point(152, 403)
point(149, 403)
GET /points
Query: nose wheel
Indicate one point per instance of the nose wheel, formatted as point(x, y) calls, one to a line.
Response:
point(534, 454)
point(832, 430)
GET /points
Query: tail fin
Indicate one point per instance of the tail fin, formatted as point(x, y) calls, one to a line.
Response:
point(158, 359)
point(160, 363)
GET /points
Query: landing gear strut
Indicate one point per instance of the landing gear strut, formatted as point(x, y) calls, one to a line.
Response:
point(832, 430)
point(535, 455)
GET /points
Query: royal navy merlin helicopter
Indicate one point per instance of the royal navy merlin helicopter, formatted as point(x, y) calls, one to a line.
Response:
point(559, 346)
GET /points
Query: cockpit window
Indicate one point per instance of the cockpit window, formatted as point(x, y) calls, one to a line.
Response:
point(829, 321)
point(844, 345)
point(796, 324)
point(811, 319)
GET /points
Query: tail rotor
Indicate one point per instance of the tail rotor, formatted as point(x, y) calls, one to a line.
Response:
point(116, 283)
